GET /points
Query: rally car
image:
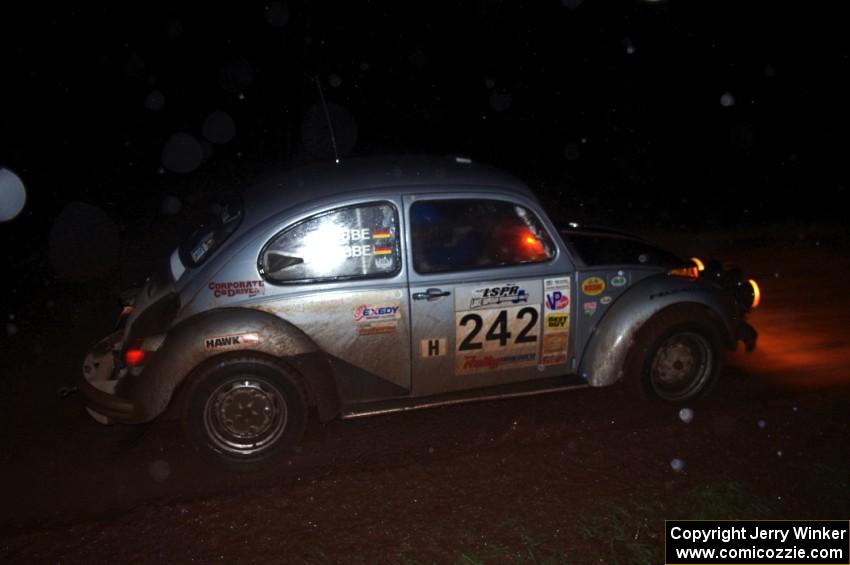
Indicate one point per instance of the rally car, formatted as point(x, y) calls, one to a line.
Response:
point(385, 285)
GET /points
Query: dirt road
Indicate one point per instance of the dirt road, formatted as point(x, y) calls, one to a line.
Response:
point(579, 477)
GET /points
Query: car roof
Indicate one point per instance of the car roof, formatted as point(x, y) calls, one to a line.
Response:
point(279, 191)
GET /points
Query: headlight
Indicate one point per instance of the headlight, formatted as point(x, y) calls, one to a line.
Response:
point(756, 294)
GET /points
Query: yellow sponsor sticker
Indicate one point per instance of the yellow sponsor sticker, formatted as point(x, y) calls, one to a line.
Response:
point(593, 286)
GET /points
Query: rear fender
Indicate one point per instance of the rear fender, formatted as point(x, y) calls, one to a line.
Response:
point(209, 334)
point(604, 357)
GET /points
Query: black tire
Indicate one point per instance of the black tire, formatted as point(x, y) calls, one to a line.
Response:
point(677, 356)
point(243, 411)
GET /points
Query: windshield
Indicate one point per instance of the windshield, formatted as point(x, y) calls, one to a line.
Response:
point(209, 231)
point(611, 249)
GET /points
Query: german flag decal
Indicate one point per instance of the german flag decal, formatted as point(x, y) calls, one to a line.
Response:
point(383, 250)
point(382, 233)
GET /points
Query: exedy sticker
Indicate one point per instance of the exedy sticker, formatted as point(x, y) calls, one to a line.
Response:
point(376, 313)
point(233, 340)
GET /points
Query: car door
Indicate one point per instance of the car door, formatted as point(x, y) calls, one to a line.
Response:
point(490, 292)
point(337, 276)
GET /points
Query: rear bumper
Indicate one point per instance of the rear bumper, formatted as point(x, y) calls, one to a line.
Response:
point(97, 383)
point(111, 407)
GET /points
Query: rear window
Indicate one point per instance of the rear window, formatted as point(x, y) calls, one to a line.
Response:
point(209, 231)
point(345, 243)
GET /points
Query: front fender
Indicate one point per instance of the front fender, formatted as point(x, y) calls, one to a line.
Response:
point(186, 347)
point(604, 357)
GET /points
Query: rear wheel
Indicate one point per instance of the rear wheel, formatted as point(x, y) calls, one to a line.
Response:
point(677, 356)
point(244, 411)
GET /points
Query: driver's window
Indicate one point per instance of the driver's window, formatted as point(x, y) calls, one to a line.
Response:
point(353, 242)
point(460, 235)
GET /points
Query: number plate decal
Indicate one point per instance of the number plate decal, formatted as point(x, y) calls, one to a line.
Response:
point(497, 326)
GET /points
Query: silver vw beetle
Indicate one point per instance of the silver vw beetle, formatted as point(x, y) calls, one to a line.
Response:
point(386, 285)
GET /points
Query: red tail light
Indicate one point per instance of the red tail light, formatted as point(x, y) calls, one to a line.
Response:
point(135, 357)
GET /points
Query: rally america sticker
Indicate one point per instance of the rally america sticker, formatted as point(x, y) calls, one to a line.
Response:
point(231, 341)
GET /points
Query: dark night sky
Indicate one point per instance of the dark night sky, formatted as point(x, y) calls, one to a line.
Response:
point(674, 112)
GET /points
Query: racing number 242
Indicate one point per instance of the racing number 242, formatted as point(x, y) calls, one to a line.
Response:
point(498, 330)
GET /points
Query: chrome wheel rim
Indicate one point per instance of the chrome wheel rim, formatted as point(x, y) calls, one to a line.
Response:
point(681, 366)
point(245, 415)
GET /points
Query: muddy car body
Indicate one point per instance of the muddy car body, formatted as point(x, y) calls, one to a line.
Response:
point(385, 285)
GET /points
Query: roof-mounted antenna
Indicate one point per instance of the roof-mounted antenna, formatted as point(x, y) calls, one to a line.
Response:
point(327, 117)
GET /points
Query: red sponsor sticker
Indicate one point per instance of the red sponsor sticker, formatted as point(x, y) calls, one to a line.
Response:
point(593, 286)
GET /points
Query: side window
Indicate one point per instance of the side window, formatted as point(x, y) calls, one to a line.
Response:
point(460, 235)
point(346, 243)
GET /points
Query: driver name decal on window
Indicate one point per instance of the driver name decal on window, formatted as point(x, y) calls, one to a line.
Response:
point(351, 242)
point(497, 326)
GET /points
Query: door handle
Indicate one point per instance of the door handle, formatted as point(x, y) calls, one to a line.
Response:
point(430, 294)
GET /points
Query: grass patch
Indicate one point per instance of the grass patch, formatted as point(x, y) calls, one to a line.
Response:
point(528, 550)
point(634, 532)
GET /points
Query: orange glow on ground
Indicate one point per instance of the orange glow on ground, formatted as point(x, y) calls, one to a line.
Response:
point(799, 348)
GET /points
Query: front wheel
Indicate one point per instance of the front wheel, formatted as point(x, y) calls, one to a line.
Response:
point(677, 356)
point(244, 411)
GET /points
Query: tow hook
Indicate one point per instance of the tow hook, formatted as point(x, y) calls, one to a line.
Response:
point(66, 391)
